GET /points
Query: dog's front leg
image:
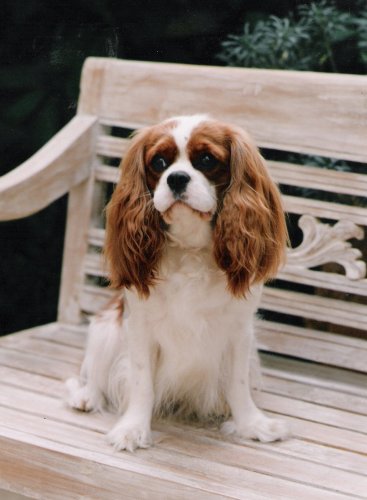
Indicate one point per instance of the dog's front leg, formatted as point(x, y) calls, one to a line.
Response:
point(247, 420)
point(133, 430)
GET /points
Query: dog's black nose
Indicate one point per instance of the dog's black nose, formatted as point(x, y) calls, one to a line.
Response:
point(178, 181)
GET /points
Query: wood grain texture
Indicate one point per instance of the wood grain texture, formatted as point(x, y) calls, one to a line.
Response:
point(315, 307)
point(50, 451)
point(314, 345)
point(61, 164)
point(305, 112)
point(79, 212)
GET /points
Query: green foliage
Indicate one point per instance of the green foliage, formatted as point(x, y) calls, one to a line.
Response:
point(317, 37)
point(362, 38)
point(273, 43)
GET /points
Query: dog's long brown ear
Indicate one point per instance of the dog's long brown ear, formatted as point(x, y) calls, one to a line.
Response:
point(134, 238)
point(250, 234)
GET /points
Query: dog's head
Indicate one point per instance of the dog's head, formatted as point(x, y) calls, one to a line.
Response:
point(216, 171)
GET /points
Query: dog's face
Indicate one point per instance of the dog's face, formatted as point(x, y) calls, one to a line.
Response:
point(189, 162)
point(215, 170)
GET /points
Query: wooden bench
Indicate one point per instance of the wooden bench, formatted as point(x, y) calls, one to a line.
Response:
point(311, 336)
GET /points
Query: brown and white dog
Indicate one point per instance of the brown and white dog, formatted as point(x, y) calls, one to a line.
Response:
point(194, 228)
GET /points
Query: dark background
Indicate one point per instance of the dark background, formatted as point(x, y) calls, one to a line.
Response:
point(44, 44)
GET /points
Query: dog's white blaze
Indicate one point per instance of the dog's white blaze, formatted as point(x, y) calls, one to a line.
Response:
point(200, 194)
point(182, 132)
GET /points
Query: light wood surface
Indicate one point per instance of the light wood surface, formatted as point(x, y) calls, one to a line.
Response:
point(327, 457)
point(80, 206)
point(313, 335)
point(62, 163)
point(293, 111)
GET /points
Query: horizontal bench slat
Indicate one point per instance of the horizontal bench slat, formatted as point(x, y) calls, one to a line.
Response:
point(96, 236)
point(321, 279)
point(322, 347)
point(112, 147)
point(310, 333)
point(104, 173)
point(325, 209)
point(277, 107)
point(319, 178)
point(314, 307)
point(94, 265)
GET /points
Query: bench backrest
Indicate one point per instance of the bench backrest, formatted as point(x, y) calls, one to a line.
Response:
point(317, 309)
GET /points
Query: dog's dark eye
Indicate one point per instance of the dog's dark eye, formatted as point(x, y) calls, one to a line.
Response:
point(159, 163)
point(206, 161)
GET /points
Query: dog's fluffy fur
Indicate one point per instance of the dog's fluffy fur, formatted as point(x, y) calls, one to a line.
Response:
point(194, 228)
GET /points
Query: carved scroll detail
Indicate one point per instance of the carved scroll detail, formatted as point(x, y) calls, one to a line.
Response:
point(323, 243)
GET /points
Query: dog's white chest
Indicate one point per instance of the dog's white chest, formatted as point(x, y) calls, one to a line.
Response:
point(191, 303)
point(193, 292)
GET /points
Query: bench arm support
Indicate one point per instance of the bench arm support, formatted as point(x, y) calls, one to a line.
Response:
point(62, 163)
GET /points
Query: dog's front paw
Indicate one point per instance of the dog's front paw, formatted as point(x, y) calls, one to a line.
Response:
point(83, 397)
point(129, 436)
point(260, 427)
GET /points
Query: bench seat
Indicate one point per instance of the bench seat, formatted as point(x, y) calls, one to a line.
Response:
point(60, 453)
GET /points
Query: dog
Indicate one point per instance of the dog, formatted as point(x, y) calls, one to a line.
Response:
point(194, 228)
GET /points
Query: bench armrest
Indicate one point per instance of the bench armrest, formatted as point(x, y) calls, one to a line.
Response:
point(62, 163)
